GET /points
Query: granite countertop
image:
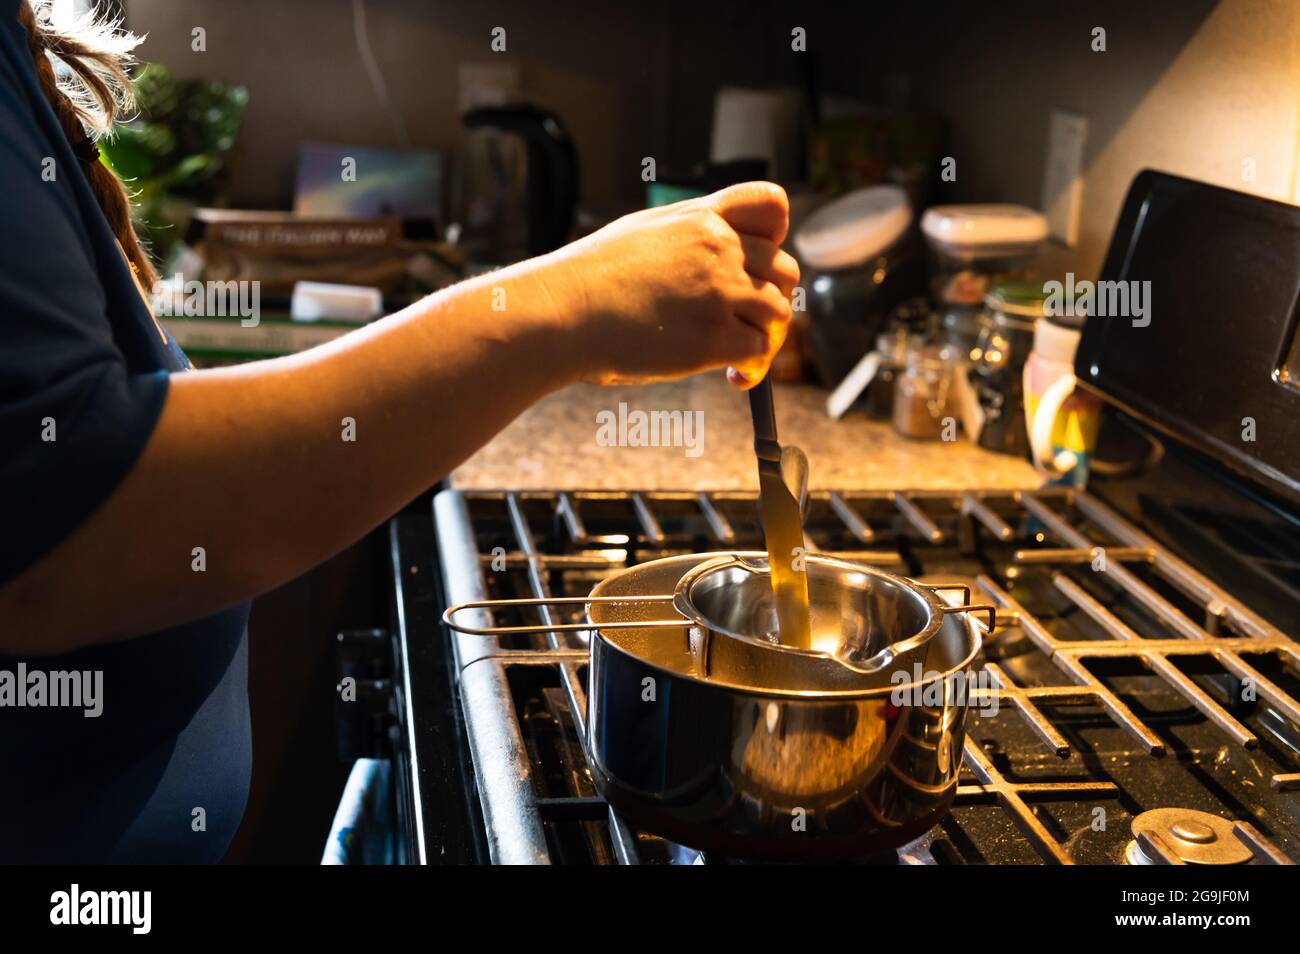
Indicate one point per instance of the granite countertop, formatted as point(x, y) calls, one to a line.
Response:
point(560, 443)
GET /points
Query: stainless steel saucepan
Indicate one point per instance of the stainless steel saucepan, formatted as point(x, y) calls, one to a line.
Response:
point(702, 729)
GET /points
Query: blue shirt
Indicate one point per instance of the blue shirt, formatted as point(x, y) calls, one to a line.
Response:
point(161, 775)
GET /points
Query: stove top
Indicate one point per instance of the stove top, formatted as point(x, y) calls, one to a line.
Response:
point(1143, 713)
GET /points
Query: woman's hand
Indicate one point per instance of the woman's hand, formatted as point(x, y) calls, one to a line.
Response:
point(683, 288)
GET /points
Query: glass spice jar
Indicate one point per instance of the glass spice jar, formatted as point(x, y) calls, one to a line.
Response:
point(891, 347)
point(923, 393)
point(1006, 338)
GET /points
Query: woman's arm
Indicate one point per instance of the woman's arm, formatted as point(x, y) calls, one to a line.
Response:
point(251, 464)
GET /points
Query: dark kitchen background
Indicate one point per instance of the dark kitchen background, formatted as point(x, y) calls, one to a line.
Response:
point(640, 80)
point(1205, 90)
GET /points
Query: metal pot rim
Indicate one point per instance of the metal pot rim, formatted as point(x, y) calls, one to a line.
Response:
point(809, 695)
point(752, 560)
point(909, 688)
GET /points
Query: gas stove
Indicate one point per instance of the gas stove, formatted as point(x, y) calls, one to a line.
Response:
point(1144, 714)
point(1145, 662)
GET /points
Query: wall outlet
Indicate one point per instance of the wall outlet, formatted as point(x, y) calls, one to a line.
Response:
point(1063, 175)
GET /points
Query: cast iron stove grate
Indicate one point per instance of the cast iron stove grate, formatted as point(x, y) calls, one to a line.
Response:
point(1125, 680)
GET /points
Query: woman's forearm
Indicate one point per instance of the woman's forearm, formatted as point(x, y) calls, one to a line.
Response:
point(271, 467)
point(255, 474)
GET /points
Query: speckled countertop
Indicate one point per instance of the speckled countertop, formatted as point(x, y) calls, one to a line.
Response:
point(557, 444)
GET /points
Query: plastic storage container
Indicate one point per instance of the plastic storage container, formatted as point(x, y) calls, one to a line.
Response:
point(972, 249)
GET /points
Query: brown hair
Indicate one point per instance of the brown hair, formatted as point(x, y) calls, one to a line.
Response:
point(87, 103)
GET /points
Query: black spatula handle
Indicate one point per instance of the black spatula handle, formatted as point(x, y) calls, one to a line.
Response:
point(764, 415)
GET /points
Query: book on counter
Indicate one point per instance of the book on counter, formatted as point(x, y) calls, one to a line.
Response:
point(286, 232)
point(280, 249)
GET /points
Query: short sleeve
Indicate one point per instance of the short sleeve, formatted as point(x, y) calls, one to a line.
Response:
point(73, 416)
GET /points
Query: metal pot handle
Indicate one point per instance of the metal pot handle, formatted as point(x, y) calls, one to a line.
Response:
point(967, 606)
point(448, 617)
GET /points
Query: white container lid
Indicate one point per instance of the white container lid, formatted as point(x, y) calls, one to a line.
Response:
point(1053, 342)
point(324, 301)
point(854, 227)
point(977, 231)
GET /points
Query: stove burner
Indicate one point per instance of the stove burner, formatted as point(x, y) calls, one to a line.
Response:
point(1190, 836)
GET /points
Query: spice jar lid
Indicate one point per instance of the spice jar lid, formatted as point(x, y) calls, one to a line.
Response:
point(892, 345)
point(1022, 299)
point(930, 357)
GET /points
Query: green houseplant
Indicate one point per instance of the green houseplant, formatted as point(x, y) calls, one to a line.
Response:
point(174, 155)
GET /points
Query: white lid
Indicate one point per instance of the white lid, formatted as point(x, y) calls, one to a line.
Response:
point(854, 227)
point(325, 301)
point(1053, 342)
point(975, 230)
